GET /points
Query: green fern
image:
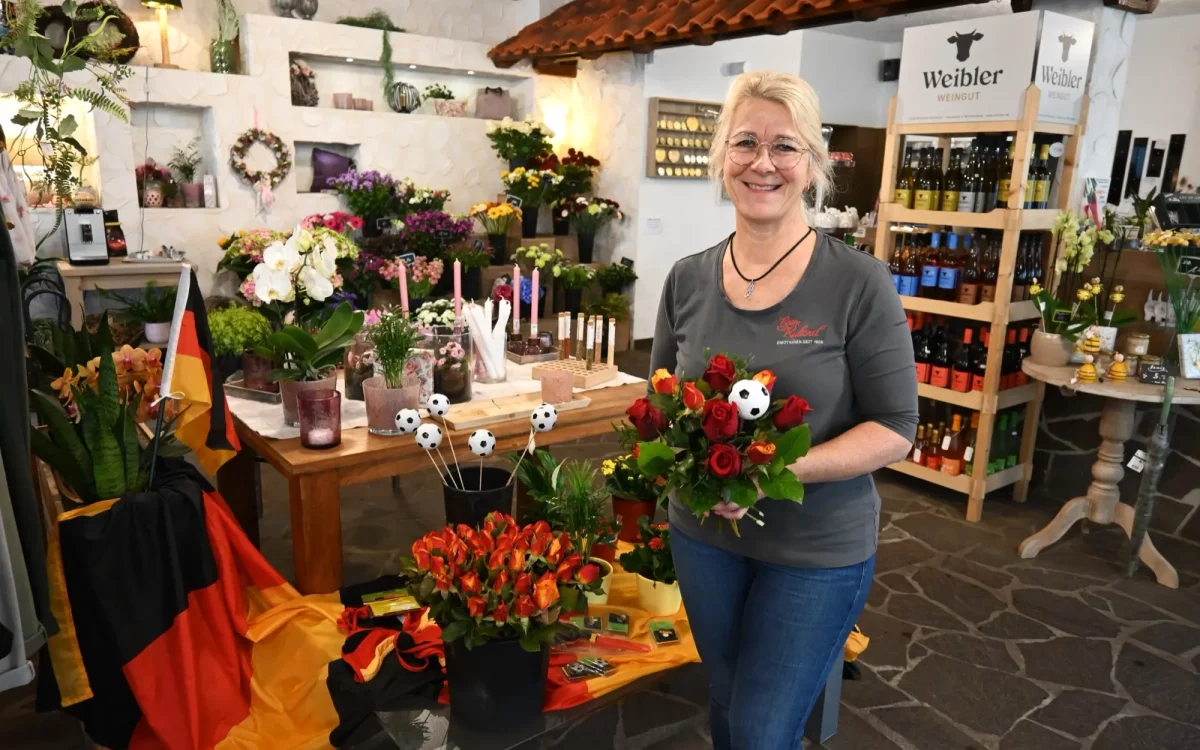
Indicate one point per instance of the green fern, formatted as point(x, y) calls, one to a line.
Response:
point(98, 100)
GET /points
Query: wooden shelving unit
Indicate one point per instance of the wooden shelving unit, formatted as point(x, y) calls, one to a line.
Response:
point(999, 314)
point(678, 135)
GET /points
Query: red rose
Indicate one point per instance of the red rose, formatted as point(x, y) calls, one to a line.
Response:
point(475, 606)
point(524, 584)
point(516, 561)
point(791, 414)
point(589, 573)
point(720, 374)
point(470, 584)
point(720, 421)
point(500, 613)
point(649, 420)
point(760, 453)
point(692, 397)
point(525, 607)
point(545, 591)
point(656, 543)
point(724, 461)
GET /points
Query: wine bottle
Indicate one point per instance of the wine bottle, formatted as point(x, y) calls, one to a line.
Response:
point(918, 450)
point(923, 199)
point(1022, 352)
point(991, 270)
point(938, 179)
point(969, 451)
point(930, 266)
point(924, 355)
point(979, 364)
point(906, 180)
point(939, 372)
point(999, 439)
point(1014, 439)
point(949, 269)
point(1041, 184)
point(953, 182)
point(968, 288)
point(1007, 360)
point(910, 273)
point(1005, 179)
point(894, 263)
point(966, 194)
point(960, 374)
point(1020, 280)
point(952, 449)
point(933, 452)
point(1031, 179)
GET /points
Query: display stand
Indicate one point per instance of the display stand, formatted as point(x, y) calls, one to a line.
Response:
point(998, 314)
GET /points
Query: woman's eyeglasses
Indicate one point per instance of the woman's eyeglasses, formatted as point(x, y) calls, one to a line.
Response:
point(784, 153)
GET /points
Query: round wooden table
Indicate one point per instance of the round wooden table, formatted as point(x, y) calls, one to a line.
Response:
point(1102, 504)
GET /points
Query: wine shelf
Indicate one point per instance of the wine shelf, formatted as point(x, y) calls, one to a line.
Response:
point(995, 315)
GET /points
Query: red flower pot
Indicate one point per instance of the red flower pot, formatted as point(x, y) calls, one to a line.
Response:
point(629, 511)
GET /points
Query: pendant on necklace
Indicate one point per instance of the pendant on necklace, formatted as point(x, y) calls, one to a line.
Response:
point(749, 289)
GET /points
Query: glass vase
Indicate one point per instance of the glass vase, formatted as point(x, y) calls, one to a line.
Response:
point(452, 366)
point(320, 412)
point(222, 56)
point(498, 362)
point(360, 365)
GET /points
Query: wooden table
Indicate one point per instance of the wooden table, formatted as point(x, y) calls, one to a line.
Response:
point(116, 275)
point(315, 478)
point(1101, 504)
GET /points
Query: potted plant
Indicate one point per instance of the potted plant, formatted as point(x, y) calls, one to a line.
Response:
point(309, 361)
point(532, 187)
point(432, 234)
point(153, 311)
point(393, 338)
point(151, 181)
point(651, 562)
point(497, 591)
point(634, 496)
point(589, 215)
point(444, 103)
point(615, 306)
point(236, 332)
point(615, 278)
point(1169, 247)
point(411, 199)
point(369, 195)
point(497, 219)
point(185, 161)
point(519, 142)
point(223, 53)
point(577, 170)
point(574, 279)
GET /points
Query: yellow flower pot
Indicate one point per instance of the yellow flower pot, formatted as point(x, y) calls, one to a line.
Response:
point(657, 598)
point(606, 571)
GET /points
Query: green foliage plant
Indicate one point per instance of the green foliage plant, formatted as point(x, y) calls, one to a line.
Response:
point(312, 356)
point(235, 329)
point(438, 91)
point(615, 277)
point(394, 337)
point(611, 305)
point(186, 160)
point(376, 19)
point(157, 304)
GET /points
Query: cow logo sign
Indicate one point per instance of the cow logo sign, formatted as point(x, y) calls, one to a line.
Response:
point(1062, 67)
point(1068, 41)
point(964, 42)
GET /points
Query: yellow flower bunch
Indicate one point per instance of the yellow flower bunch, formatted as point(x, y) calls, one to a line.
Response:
point(496, 218)
point(1035, 288)
point(1169, 237)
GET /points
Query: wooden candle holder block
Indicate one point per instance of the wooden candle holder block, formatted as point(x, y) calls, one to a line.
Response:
point(584, 378)
point(476, 414)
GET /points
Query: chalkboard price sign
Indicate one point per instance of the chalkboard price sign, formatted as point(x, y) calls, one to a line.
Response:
point(1153, 374)
point(513, 201)
point(1190, 265)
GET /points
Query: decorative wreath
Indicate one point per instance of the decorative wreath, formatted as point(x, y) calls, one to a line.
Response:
point(283, 157)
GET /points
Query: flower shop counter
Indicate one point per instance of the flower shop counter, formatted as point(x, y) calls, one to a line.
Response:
point(315, 478)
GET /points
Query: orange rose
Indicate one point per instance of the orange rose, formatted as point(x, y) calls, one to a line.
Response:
point(516, 561)
point(545, 591)
point(469, 583)
point(525, 607)
point(693, 398)
point(760, 453)
point(767, 378)
point(500, 582)
point(422, 558)
point(566, 569)
point(664, 382)
point(523, 584)
point(475, 606)
point(500, 613)
point(498, 559)
point(540, 545)
point(589, 573)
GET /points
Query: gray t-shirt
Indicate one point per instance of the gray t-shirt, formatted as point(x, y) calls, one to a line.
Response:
point(839, 340)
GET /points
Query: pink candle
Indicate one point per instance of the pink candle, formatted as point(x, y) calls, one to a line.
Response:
point(533, 305)
point(516, 300)
point(404, 288)
point(457, 290)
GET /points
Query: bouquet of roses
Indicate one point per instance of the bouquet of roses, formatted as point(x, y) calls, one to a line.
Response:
point(718, 441)
point(499, 581)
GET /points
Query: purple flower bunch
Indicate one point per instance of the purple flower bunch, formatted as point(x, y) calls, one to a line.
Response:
point(433, 233)
point(368, 194)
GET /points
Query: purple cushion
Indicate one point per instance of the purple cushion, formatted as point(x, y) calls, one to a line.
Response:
point(327, 166)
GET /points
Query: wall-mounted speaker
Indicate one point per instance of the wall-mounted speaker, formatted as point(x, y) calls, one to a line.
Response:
point(889, 70)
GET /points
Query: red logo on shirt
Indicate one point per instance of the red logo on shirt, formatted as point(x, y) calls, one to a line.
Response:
point(795, 329)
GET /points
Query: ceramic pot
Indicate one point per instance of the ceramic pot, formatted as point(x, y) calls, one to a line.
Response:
point(288, 390)
point(499, 245)
point(496, 686)
point(193, 194)
point(158, 333)
point(606, 571)
point(587, 247)
point(1049, 349)
point(472, 505)
point(222, 56)
point(343, 100)
point(152, 197)
point(384, 403)
point(629, 511)
point(529, 221)
point(657, 598)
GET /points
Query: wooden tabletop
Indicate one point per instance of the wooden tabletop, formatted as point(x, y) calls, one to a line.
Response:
point(1186, 391)
point(363, 457)
point(120, 268)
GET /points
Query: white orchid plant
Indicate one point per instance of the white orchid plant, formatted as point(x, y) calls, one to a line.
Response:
point(297, 276)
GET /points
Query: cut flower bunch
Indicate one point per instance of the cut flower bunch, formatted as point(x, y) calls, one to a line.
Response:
point(717, 441)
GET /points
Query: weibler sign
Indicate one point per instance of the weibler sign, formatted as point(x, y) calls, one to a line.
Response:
point(979, 69)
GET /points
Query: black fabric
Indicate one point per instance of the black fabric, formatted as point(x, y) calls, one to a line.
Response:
point(135, 565)
point(6, 641)
point(14, 432)
point(218, 429)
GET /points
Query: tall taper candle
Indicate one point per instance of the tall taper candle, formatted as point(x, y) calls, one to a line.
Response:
point(612, 340)
point(457, 291)
point(516, 299)
point(533, 307)
point(404, 287)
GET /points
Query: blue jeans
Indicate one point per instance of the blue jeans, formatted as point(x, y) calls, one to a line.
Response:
point(768, 634)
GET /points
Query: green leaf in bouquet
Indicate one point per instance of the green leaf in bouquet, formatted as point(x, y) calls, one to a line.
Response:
point(654, 459)
point(785, 486)
point(740, 492)
point(794, 444)
point(530, 641)
point(455, 630)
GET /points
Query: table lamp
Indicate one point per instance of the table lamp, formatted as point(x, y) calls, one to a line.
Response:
point(161, 7)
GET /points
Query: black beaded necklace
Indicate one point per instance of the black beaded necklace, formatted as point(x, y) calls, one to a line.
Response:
point(751, 282)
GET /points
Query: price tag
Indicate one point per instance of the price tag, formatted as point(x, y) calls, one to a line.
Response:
point(513, 201)
point(1190, 265)
point(478, 245)
point(444, 234)
point(627, 262)
point(407, 258)
point(1062, 316)
point(1138, 462)
point(1153, 374)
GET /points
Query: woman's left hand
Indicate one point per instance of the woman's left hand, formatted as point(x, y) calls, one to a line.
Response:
point(729, 511)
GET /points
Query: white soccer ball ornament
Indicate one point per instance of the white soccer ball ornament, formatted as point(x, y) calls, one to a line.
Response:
point(407, 421)
point(482, 443)
point(544, 418)
point(751, 398)
point(429, 436)
point(438, 405)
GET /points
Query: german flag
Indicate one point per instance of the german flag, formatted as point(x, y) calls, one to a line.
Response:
point(204, 423)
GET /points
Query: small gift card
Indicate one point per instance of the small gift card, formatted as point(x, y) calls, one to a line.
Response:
point(591, 624)
point(393, 606)
point(664, 633)
point(381, 595)
point(618, 622)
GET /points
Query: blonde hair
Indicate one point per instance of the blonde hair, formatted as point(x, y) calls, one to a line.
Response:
point(802, 104)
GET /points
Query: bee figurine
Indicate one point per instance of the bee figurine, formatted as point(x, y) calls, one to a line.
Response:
point(1091, 344)
point(1087, 371)
point(1118, 370)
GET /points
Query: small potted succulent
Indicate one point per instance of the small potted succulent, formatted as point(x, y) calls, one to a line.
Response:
point(153, 311)
point(657, 587)
point(236, 332)
point(444, 103)
point(185, 162)
point(634, 496)
point(309, 360)
point(393, 339)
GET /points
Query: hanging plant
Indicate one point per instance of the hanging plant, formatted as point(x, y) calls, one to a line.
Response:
point(283, 157)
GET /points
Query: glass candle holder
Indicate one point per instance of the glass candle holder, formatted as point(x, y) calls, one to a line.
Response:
point(359, 366)
point(320, 413)
point(498, 363)
point(453, 358)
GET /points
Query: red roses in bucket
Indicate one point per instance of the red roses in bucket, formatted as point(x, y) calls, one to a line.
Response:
point(717, 441)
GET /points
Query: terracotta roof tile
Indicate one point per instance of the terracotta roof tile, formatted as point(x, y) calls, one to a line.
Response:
point(597, 26)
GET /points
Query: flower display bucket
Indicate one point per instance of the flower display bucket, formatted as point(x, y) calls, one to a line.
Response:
point(1049, 349)
point(587, 247)
point(573, 300)
point(472, 505)
point(499, 245)
point(472, 283)
point(561, 224)
point(529, 221)
point(383, 403)
point(628, 512)
point(497, 685)
point(288, 389)
point(657, 598)
point(606, 571)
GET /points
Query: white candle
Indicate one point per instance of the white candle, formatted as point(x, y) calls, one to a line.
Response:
point(533, 307)
point(320, 436)
point(516, 302)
